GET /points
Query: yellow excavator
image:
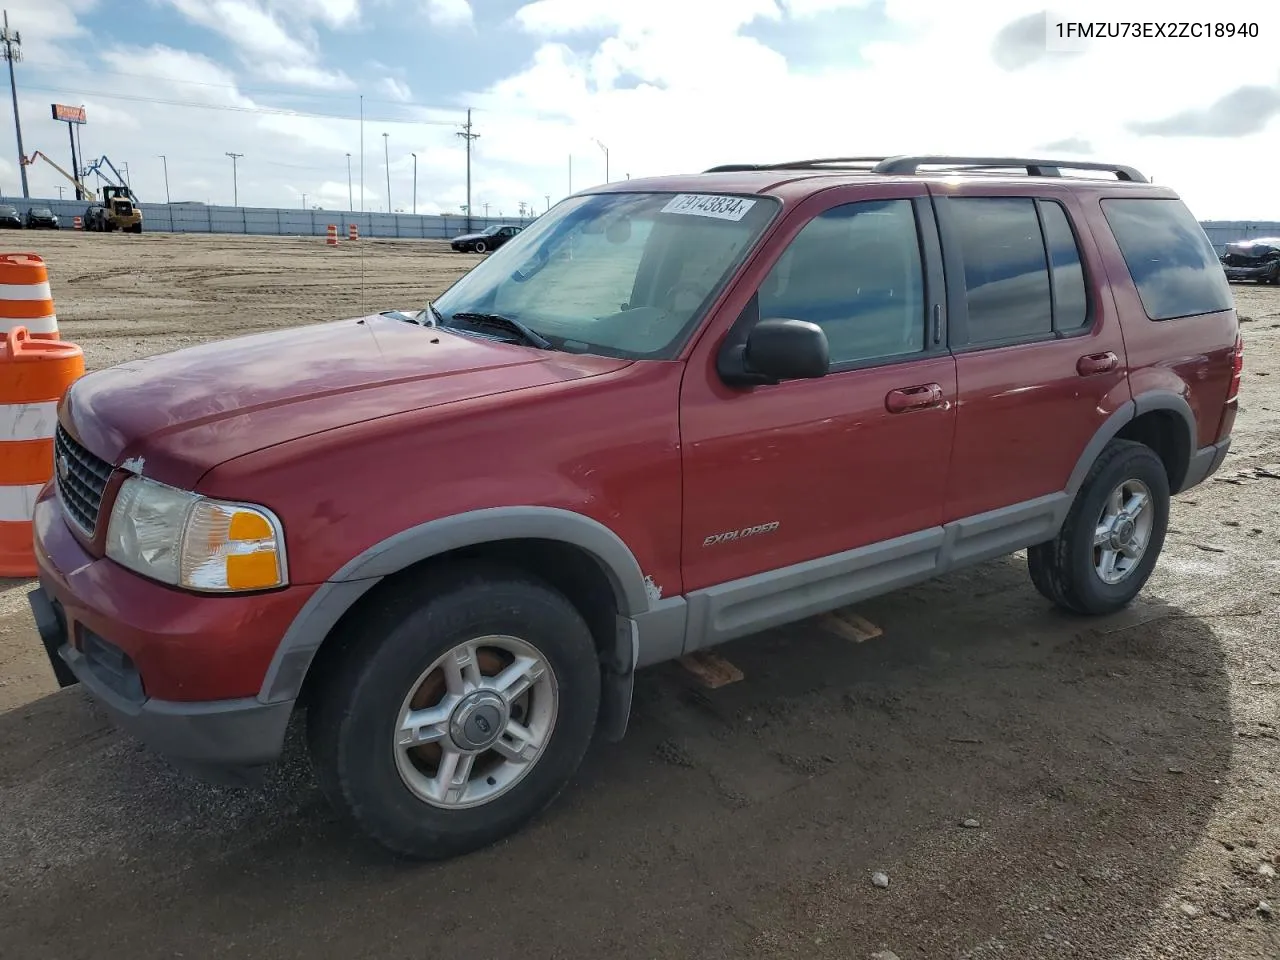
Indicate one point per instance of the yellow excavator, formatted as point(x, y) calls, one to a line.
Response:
point(115, 211)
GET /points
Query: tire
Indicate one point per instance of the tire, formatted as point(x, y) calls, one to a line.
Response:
point(480, 247)
point(354, 722)
point(1066, 569)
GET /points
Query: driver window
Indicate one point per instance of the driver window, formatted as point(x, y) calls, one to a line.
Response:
point(854, 270)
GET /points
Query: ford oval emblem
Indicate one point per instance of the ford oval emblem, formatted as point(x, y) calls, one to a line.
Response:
point(64, 468)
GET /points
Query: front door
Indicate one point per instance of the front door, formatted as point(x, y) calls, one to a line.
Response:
point(809, 469)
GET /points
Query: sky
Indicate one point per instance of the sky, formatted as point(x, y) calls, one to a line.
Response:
point(565, 94)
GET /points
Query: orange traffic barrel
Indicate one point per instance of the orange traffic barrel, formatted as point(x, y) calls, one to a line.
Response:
point(34, 374)
point(25, 297)
point(353, 232)
point(332, 239)
point(79, 223)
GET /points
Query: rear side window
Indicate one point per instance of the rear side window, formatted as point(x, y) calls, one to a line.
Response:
point(1023, 277)
point(1070, 302)
point(1172, 263)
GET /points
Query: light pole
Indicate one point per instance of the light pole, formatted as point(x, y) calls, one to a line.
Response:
point(548, 199)
point(235, 184)
point(166, 178)
point(386, 155)
point(59, 191)
point(351, 204)
point(13, 51)
point(606, 159)
point(415, 183)
point(304, 201)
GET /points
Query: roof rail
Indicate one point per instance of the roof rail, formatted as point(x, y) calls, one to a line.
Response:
point(1033, 168)
point(911, 165)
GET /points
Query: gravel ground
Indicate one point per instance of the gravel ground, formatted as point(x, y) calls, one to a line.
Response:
point(1029, 784)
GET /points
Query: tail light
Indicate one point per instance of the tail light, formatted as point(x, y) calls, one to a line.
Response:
point(1237, 365)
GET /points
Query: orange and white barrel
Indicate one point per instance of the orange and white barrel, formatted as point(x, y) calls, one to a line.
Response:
point(353, 232)
point(332, 239)
point(78, 223)
point(34, 374)
point(25, 298)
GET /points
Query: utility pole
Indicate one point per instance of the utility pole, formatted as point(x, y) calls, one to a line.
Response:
point(125, 167)
point(548, 199)
point(59, 191)
point(235, 186)
point(486, 211)
point(13, 51)
point(386, 160)
point(362, 153)
point(351, 203)
point(166, 178)
point(415, 183)
point(468, 136)
point(304, 201)
point(606, 159)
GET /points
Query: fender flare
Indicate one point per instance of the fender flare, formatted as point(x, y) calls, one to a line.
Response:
point(1129, 411)
point(298, 646)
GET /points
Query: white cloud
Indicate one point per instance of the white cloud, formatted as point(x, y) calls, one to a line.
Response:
point(448, 13)
point(333, 13)
point(395, 89)
point(302, 75)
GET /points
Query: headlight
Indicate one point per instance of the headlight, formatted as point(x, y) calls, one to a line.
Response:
point(187, 540)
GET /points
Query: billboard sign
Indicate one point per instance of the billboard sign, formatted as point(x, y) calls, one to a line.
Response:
point(68, 114)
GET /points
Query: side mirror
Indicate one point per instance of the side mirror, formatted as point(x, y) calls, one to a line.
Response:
point(777, 349)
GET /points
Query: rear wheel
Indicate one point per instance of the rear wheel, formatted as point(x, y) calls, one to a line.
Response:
point(458, 713)
point(1112, 536)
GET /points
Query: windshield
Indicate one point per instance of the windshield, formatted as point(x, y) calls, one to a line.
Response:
point(490, 231)
point(42, 212)
point(8, 210)
point(617, 274)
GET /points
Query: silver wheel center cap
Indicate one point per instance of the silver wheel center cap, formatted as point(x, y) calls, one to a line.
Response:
point(478, 721)
point(1122, 533)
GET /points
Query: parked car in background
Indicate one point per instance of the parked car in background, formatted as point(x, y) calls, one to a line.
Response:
point(490, 238)
point(1257, 259)
point(41, 218)
point(9, 217)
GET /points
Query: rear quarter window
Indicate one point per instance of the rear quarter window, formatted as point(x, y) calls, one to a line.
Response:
point(1171, 261)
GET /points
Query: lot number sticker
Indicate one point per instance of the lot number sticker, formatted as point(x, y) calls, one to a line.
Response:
point(708, 205)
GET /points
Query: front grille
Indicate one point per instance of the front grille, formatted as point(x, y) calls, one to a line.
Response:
point(80, 482)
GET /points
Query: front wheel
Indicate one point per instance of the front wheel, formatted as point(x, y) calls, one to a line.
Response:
point(458, 713)
point(1112, 536)
point(480, 247)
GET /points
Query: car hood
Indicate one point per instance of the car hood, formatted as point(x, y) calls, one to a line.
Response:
point(177, 415)
point(473, 236)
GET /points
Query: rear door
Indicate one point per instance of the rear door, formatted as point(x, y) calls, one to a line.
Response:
point(1040, 361)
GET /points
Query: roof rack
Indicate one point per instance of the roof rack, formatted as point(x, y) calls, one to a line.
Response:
point(911, 165)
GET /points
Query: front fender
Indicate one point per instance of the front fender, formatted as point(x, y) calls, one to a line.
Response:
point(322, 612)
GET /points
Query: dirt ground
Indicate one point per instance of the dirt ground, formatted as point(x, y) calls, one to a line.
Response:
point(1120, 777)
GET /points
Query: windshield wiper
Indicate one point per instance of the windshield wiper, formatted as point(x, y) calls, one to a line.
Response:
point(436, 318)
point(528, 334)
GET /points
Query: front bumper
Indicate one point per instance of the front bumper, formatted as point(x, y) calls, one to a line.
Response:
point(223, 740)
point(180, 671)
point(1263, 271)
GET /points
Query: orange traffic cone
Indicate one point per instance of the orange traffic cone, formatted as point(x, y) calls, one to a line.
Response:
point(25, 298)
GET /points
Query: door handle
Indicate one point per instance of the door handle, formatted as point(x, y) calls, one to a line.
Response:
point(1096, 363)
point(913, 398)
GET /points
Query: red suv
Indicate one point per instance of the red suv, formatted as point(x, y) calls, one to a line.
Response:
point(667, 414)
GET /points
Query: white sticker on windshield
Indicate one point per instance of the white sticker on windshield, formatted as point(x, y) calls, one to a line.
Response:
point(709, 205)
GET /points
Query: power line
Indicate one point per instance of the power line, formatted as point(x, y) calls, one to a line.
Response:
point(234, 108)
point(261, 91)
